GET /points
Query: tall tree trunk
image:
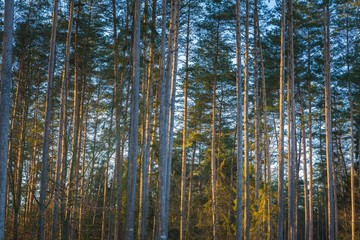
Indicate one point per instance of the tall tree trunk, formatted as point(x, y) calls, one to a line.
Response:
point(239, 132)
point(329, 154)
point(144, 185)
point(134, 122)
point(256, 110)
point(62, 121)
point(311, 215)
point(45, 155)
point(183, 220)
point(163, 129)
point(281, 128)
point(75, 136)
point(266, 136)
point(213, 139)
point(246, 128)
point(292, 161)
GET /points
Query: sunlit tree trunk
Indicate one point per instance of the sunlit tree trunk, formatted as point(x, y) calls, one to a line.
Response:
point(281, 128)
point(45, 154)
point(20, 160)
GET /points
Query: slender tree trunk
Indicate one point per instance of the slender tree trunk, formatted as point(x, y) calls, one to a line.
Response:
point(246, 128)
point(144, 185)
point(352, 174)
point(183, 220)
point(105, 186)
point(311, 216)
point(281, 128)
point(213, 140)
point(329, 157)
point(62, 121)
point(134, 122)
point(82, 183)
point(239, 132)
point(256, 110)
point(75, 137)
point(266, 138)
point(172, 73)
point(303, 139)
point(20, 161)
point(45, 155)
point(191, 174)
point(292, 161)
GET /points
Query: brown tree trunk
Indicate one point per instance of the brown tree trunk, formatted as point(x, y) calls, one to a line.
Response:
point(281, 128)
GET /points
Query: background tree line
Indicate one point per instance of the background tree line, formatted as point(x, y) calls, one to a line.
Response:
point(180, 119)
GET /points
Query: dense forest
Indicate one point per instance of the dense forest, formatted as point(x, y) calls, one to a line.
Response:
point(180, 119)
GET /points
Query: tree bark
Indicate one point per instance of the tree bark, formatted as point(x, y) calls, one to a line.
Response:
point(292, 161)
point(329, 154)
point(45, 155)
point(303, 139)
point(246, 128)
point(5, 84)
point(352, 171)
point(311, 215)
point(163, 129)
point(281, 128)
point(62, 121)
point(239, 130)
point(134, 124)
point(183, 220)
